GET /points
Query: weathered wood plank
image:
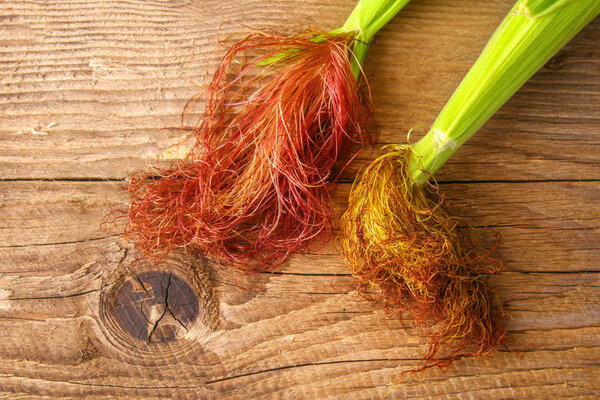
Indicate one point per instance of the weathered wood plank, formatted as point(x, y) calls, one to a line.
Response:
point(338, 369)
point(554, 221)
point(300, 331)
point(549, 314)
point(91, 98)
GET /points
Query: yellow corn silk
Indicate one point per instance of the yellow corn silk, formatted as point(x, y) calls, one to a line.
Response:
point(404, 240)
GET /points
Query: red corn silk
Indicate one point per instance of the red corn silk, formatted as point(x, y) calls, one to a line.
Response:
point(254, 187)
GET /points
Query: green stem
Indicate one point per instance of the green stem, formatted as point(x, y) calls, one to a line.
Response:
point(533, 31)
point(367, 18)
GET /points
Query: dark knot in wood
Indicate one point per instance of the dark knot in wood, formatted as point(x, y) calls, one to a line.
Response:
point(155, 306)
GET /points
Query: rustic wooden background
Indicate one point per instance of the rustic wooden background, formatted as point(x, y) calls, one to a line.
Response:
point(86, 90)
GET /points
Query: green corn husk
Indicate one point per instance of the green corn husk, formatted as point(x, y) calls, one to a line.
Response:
point(533, 31)
point(365, 20)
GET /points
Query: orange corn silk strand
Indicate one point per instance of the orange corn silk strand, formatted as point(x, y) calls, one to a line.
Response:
point(254, 188)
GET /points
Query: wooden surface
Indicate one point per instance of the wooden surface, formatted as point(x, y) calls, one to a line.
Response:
point(86, 88)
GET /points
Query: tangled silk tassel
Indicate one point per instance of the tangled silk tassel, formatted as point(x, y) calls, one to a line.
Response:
point(401, 238)
point(279, 114)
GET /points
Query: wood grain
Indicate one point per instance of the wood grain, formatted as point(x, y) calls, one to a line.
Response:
point(92, 91)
